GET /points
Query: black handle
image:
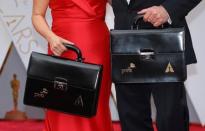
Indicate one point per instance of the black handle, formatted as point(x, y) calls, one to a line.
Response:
point(136, 20)
point(76, 50)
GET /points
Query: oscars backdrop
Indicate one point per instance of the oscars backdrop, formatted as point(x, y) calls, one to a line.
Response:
point(5, 45)
point(17, 17)
point(18, 39)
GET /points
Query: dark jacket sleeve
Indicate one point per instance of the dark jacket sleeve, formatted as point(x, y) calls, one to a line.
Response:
point(178, 9)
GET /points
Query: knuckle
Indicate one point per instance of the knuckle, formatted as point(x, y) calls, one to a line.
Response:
point(160, 20)
point(53, 49)
point(54, 46)
point(154, 12)
point(154, 7)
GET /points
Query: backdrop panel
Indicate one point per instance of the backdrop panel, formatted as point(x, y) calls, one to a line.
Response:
point(196, 73)
point(5, 44)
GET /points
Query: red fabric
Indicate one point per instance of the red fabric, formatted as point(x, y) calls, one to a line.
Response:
point(38, 126)
point(82, 22)
point(193, 127)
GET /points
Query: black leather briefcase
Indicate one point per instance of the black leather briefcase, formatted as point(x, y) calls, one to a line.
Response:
point(63, 85)
point(148, 55)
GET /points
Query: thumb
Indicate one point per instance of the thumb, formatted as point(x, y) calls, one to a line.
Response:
point(142, 12)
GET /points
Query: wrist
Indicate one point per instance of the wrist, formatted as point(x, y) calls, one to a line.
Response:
point(50, 36)
point(168, 19)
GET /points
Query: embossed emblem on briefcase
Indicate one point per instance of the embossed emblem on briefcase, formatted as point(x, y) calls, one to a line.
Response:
point(79, 101)
point(41, 94)
point(129, 69)
point(169, 68)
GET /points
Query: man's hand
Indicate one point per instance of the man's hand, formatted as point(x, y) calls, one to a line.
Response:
point(157, 15)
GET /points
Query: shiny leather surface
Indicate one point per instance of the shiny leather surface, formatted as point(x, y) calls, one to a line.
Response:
point(58, 83)
point(148, 56)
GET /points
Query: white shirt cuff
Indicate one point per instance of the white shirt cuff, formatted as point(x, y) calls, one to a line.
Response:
point(169, 21)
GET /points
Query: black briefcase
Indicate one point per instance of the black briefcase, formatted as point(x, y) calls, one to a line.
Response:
point(148, 55)
point(63, 85)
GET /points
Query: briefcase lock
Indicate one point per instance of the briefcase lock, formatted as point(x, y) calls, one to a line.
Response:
point(147, 54)
point(61, 84)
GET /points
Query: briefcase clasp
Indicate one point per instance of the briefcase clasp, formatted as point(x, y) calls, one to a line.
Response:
point(147, 54)
point(61, 84)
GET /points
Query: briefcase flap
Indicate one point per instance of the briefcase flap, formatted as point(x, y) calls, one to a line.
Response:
point(77, 74)
point(135, 69)
point(159, 40)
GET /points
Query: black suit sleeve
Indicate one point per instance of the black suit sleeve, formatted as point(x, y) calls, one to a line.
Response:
point(178, 9)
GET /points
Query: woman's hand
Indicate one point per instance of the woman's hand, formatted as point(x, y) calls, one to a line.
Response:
point(56, 45)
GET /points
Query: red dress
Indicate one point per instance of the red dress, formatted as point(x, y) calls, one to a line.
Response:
point(82, 22)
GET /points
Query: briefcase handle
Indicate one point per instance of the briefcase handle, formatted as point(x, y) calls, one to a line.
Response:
point(136, 20)
point(145, 54)
point(76, 50)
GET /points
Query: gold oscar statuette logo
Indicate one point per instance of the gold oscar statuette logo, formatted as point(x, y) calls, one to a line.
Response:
point(15, 114)
point(169, 68)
